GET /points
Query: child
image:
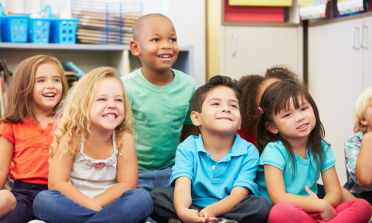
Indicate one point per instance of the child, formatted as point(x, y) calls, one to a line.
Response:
point(252, 88)
point(358, 150)
point(214, 174)
point(26, 130)
point(93, 171)
point(160, 99)
point(293, 155)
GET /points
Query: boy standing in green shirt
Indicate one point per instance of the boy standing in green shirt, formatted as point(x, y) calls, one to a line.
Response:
point(160, 99)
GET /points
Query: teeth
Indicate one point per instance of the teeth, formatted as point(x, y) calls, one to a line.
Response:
point(165, 56)
point(109, 116)
point(302, 126)
point(49, 95)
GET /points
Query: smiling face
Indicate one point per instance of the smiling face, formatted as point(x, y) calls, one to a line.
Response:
point(294, 123)
point(107, 108)
point(47, 90)
point(157, 44)
point(219, 113)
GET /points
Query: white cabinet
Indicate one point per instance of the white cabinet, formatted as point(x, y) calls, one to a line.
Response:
point(253, 49)
point(339, 70)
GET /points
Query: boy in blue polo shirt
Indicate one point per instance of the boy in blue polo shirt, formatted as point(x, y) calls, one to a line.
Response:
point(213, 176)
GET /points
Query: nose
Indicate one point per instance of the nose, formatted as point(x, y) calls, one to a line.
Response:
point(299, 116)
point(111, 104)
point(50, 84)
point(165, 45)
point(226, 108)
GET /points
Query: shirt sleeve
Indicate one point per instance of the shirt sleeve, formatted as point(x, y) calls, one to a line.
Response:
point(274, 154)
point(352, 149)
point(329, 159)
point(188, 118)
point(7, 131)
point(248, 171)
point(184, 162)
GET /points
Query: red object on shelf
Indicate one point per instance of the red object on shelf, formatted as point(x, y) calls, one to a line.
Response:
point(253, 13)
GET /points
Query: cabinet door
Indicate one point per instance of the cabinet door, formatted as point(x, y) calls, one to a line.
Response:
point(252, 50)
point(367, 44)
point(336, 81)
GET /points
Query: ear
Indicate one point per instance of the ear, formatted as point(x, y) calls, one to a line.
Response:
point(240, 123)
point(363, 122)
point(271, 127)
point(134, 48)
point(195, 118)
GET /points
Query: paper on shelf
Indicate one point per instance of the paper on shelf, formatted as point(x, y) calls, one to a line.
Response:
point(260, 2)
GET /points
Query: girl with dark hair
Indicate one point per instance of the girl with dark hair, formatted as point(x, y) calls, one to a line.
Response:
point(294, 155)
point(252, 87)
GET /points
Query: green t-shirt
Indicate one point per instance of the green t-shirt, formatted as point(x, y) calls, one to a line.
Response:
point(160, 113)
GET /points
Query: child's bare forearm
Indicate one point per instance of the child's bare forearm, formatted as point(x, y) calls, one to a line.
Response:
point(112, 194)
point(363, 171)
point(228, 203)
point(74, 194)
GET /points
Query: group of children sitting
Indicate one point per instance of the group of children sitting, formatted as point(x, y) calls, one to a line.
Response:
point(109, 149)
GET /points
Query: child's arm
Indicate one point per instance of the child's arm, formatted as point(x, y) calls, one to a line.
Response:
point(189, 130)
point(59, 175)
point(331, 186)
point(277, 193)
point(363, 171)
point(6, 156)
point(127, 175)
point(182, 201)
point(225, 205)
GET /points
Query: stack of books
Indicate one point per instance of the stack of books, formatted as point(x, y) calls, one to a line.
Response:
point(105, 22)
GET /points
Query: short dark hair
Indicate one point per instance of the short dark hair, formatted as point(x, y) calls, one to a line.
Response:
point(138, 24)
point(216, 81)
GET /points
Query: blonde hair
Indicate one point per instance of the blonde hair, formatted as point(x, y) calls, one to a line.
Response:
point(74, 112)
point(360, 110)
point(20, 100)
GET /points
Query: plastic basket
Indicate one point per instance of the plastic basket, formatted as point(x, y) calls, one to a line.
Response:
point(14, 28)
point(63, 31)
point(40, 27)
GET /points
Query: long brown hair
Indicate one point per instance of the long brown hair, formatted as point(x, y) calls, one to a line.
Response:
point(20, 101)
point(276, 98)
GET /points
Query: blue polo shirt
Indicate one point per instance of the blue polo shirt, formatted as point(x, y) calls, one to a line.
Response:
point(211, 180)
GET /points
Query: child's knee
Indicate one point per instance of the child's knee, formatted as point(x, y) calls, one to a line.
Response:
point(8, 199)
point(283, 210)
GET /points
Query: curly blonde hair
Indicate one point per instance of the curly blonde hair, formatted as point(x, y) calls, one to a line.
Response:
point(74, 112)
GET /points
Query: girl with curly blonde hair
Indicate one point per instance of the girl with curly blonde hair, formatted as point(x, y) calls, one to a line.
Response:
point(93, 170)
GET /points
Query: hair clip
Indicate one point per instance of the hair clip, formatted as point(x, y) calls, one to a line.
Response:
point(261, 111)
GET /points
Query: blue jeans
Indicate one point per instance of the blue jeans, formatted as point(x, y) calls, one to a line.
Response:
point(131, 206)
point(148, 180)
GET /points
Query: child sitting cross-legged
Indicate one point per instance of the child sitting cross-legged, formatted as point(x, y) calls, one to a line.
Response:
point(358, 149)
point(213, 176)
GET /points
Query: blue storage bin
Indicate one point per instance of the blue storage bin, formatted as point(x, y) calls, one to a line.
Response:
point(39, 30)
point(63, 31)
point(14, 28)
point(40, 27)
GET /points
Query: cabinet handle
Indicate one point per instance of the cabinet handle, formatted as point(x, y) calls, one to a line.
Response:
point(366, 37)
point(234, 45)
point(353, 37)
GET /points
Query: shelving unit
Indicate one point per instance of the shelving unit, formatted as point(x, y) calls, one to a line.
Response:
point(89, 56)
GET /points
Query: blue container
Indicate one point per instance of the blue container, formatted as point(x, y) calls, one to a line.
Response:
point(39, 30)
point(63, 31)
point(14, 28)
point(40, 27)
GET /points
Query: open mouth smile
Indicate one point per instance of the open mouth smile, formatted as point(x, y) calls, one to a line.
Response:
point(50, 95)
point(110, 116)
point(303, 126)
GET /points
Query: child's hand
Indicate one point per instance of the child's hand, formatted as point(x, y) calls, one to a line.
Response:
point(328, 212)
point(190, 216)
point(207, 215)
point(311, 193)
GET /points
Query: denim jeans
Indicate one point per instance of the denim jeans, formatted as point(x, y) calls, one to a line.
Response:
point(148, 180)
point(131, 206)
point(253, 209)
